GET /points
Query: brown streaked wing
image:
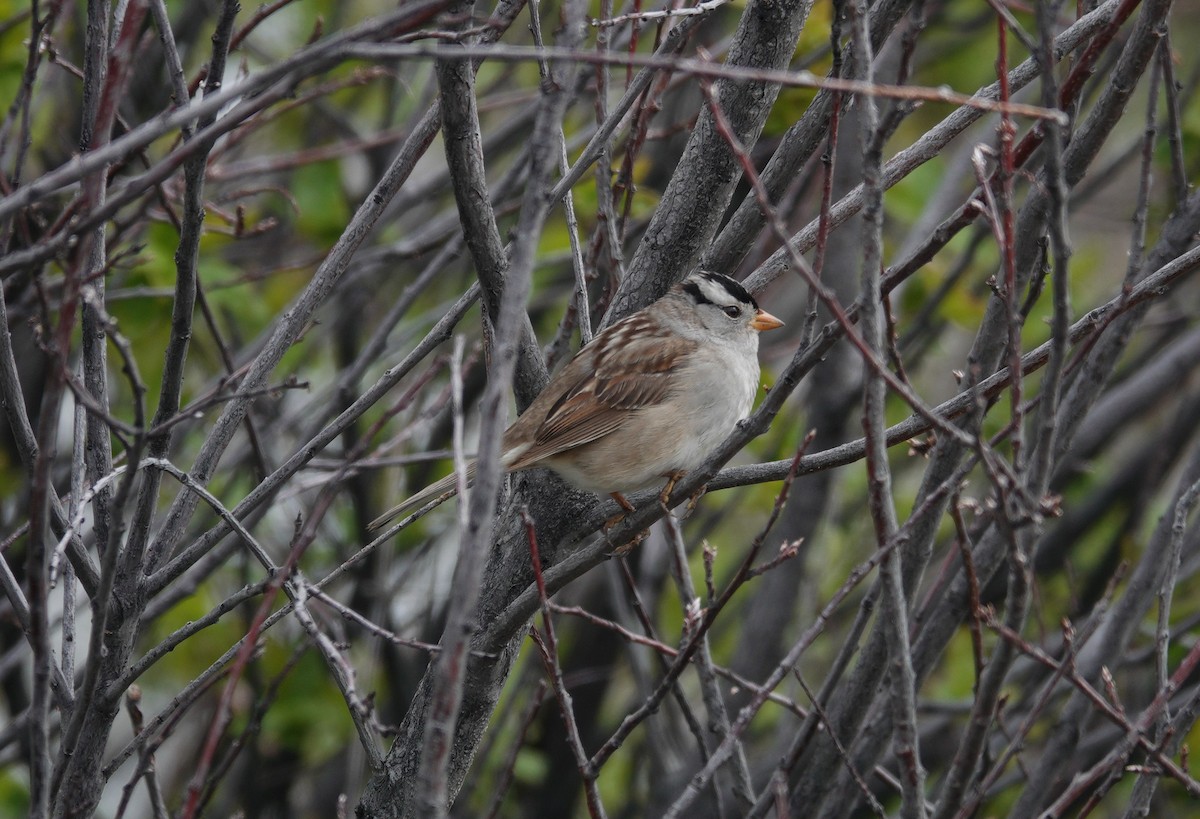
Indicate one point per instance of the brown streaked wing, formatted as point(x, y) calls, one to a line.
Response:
point(634, 367)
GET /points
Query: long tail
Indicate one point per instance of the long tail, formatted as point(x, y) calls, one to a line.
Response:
point(442, 490)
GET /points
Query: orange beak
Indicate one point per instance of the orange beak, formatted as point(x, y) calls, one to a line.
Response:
point(765, 321)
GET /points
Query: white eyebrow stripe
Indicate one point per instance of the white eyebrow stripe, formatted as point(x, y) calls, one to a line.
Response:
point(716, 292)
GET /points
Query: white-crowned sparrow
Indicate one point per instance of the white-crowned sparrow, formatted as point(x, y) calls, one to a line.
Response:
point(649, 398)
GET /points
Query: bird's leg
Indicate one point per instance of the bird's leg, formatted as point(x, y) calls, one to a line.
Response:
point(628, 507)
point(624, 503)
point(665, 495)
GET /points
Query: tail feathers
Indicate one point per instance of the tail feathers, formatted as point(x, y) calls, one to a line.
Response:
point(445, 487)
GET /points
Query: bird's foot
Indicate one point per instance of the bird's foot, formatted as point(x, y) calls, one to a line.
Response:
point(665, 495)
point(626, 548)
point(627, 507)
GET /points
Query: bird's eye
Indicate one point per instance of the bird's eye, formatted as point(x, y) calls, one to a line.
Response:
point(732, 311)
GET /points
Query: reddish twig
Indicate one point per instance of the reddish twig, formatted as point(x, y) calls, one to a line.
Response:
point(690, 647)
point(548, 649)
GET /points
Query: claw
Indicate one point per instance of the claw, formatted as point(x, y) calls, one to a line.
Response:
point(628, 547)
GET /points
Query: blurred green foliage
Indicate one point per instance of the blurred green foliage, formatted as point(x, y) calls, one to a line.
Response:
point(250, 280)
